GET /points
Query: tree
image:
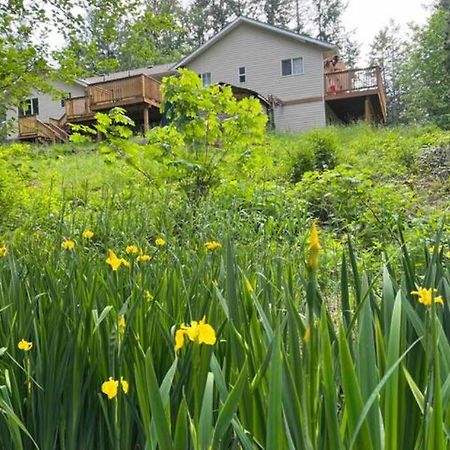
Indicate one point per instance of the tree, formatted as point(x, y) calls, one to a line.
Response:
point(198, 21)
point(387, 51)
point(327, 19)
point(278, 12)
point(119, 35)
point(349, 50)
point(424, 74)
point(23, 53)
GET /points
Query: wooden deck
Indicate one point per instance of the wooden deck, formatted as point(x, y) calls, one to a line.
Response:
point(135, 92)
point(32, 129)
point(356, 94)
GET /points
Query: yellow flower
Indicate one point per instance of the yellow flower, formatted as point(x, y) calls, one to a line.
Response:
point(447, 254)
point(113, 260)
point(132, 249)
point(124, 385)
point(68, 244)
point(88, 234)
point(121, 324)
point(125, 263)
point(198, 332)
point(248, 285)
point(160, 242)
point(3, 251)
point(25, 345)
point(143, 258)
point(212, 245)
point(148, 295)
point(111, 387)
point(314, 248)
point(427, 295)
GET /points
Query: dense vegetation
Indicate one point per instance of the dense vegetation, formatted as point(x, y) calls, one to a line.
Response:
point(307, 341)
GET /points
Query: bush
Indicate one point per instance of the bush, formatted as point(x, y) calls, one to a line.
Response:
point(318, 152)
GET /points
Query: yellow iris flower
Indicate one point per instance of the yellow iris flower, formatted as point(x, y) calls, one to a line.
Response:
point(68, 244)
point(212, 245)
point(143, 258)
point(132, 249)
point(314, 248)
point(116, 262)
point(88, 234)
point(426, 296)
point(160, 242)
point(25, 345)
point(197, 332)
point(3, 251)
point(111, 387)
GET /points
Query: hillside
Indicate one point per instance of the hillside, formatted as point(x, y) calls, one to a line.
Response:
point(262, 297)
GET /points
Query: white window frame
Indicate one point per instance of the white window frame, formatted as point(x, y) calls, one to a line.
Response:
point(32, 105)
point(206, 78)
point(242, 74)
point(292, 74)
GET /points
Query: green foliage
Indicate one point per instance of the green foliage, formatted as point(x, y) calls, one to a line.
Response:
point(318, 152)
point(426, 94)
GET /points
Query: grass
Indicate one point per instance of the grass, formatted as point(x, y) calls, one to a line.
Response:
point(341, 356)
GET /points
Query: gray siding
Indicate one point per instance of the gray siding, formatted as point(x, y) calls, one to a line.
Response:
point(261, 52)
point(49, 107)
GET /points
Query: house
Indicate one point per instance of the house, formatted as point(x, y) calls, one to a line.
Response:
point(41, 112)
point(297, 79)
point(291, 71)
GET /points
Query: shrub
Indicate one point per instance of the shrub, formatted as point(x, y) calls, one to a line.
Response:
point(318, 152)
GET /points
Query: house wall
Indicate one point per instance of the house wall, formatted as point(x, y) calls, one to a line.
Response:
point(261, 52)
point(49, 107)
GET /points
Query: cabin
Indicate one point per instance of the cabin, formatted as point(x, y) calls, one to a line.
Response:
point(299, 81)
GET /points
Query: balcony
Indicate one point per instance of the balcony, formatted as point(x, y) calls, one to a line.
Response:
point(356, 93)
point(135, 93)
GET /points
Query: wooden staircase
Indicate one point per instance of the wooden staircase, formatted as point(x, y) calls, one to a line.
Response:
point(34, 130)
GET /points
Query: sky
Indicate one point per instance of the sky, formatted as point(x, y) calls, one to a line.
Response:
point(367, 17)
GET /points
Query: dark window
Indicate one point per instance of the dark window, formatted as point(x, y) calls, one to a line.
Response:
point(286, 67)
point(29, 107)
point(292, 66)
point(242, 75)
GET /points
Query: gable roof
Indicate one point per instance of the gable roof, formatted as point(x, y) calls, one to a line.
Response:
point(264, 26)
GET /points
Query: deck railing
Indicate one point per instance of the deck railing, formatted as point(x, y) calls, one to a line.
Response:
point(77, 107)
point(135, 89)
point(353, 80)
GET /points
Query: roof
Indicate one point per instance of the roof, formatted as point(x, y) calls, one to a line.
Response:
point(156, 71)
point(264, 26)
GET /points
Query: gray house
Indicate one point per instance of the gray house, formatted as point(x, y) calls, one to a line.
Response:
point(295, 76)
point(285, 67)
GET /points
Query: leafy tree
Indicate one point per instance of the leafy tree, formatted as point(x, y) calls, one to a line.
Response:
point(278, 12)
point(119, 34)
point(387, 51)
point(349, 50)
point(23, 53)
point(424, 74)
point(327, 19)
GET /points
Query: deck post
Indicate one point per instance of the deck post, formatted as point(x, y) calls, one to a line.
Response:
point(146, 120)
point(368, 110)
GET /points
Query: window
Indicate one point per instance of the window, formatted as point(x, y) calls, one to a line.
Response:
point(241, 74)
point(63, 100)
point(292, 66)
point(30, 107)
point(206, 78)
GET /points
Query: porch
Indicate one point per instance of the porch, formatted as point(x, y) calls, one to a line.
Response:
point(140, 95)
point(355, 94)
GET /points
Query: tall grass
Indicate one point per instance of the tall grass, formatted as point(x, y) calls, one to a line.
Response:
point(365, 368)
